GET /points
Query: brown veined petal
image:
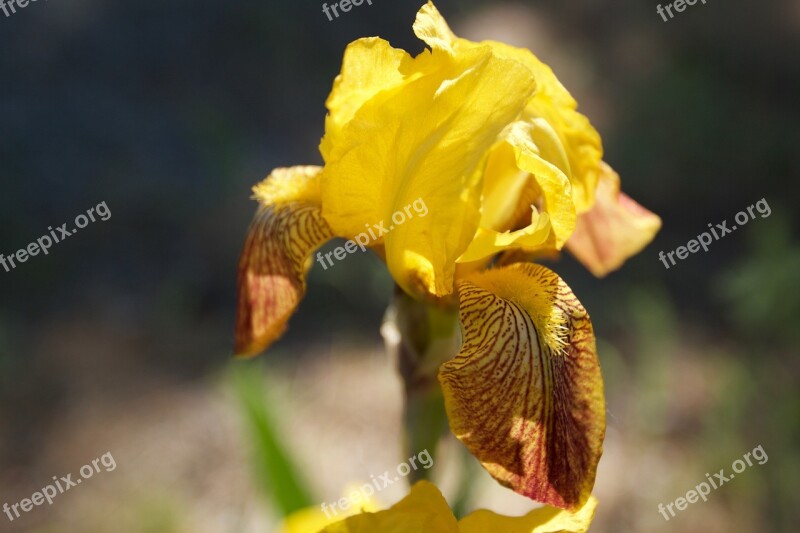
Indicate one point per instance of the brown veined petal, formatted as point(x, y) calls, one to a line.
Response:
point(287, 228)
point(615, 229)
point(525, 394)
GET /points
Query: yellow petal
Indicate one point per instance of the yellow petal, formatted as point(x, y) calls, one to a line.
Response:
point(287, 228)
point(543, 520)
point(525, 394)
point(554, 104)
point(489, 242)
point(431, 27)
point(424, 139)
point(313, 519)
point(615, 229)
point(424, 510)
point(369, 66)
point(516, 179)
point(555, 187)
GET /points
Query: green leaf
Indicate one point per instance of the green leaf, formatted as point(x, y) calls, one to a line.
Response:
point(274, 471)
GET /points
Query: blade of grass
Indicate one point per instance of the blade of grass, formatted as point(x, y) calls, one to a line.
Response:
point(274, 471)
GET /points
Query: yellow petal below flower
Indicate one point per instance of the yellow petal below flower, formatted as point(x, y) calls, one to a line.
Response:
point(424, 510)
point(314, 519)
point(287, 228)
point(542, 520)
point(615, 229)
point(525, 393)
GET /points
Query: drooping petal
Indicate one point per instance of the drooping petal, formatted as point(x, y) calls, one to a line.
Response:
point(525, 393)
point(287, 228)
point(542, 520)
point(424, 139)
point(424, 510)
point(615, 229)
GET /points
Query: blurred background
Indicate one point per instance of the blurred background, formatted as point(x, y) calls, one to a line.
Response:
point(120, 339)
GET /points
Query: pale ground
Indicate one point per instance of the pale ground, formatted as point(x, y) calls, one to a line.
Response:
point(182, 462)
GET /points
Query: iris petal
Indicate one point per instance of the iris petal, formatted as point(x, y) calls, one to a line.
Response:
point(525, 393)
point(615, 229)
point(424, 139)
point(424, 510)
point(541, 520)
point(287, 228)
point(369, 66)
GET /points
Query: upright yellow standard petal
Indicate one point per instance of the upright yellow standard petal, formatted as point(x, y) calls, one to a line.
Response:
point(431, 27)
point(287, 228)
point(555, 105)
point(525, 393)
point(542, 520)
point(423, 139)
point(615, 229)
point(424, 510)
point(369, 66)
point(578, 141)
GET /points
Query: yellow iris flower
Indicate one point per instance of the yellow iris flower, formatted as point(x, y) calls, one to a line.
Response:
point(486, 135)
point(425, 510)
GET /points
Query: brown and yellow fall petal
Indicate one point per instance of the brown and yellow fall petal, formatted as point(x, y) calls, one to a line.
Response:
point(525, 393)
point(615, 229)
point(287, 228)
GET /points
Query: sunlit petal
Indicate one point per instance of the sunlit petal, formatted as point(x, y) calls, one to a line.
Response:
point(369, 66)
point(313, 519)
point(431, 27)
point(615, 229)
point(287, 228)
point(424, 510)
point(426, 139)
point(543, 520)
point(525, 393)
point(555, 105)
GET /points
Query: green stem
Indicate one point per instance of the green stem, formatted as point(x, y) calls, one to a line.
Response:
point(420, 337)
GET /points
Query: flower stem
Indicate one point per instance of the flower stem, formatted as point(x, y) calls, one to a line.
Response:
point(420, 337)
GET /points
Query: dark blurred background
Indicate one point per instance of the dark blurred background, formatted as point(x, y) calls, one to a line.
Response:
point(121, 337)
